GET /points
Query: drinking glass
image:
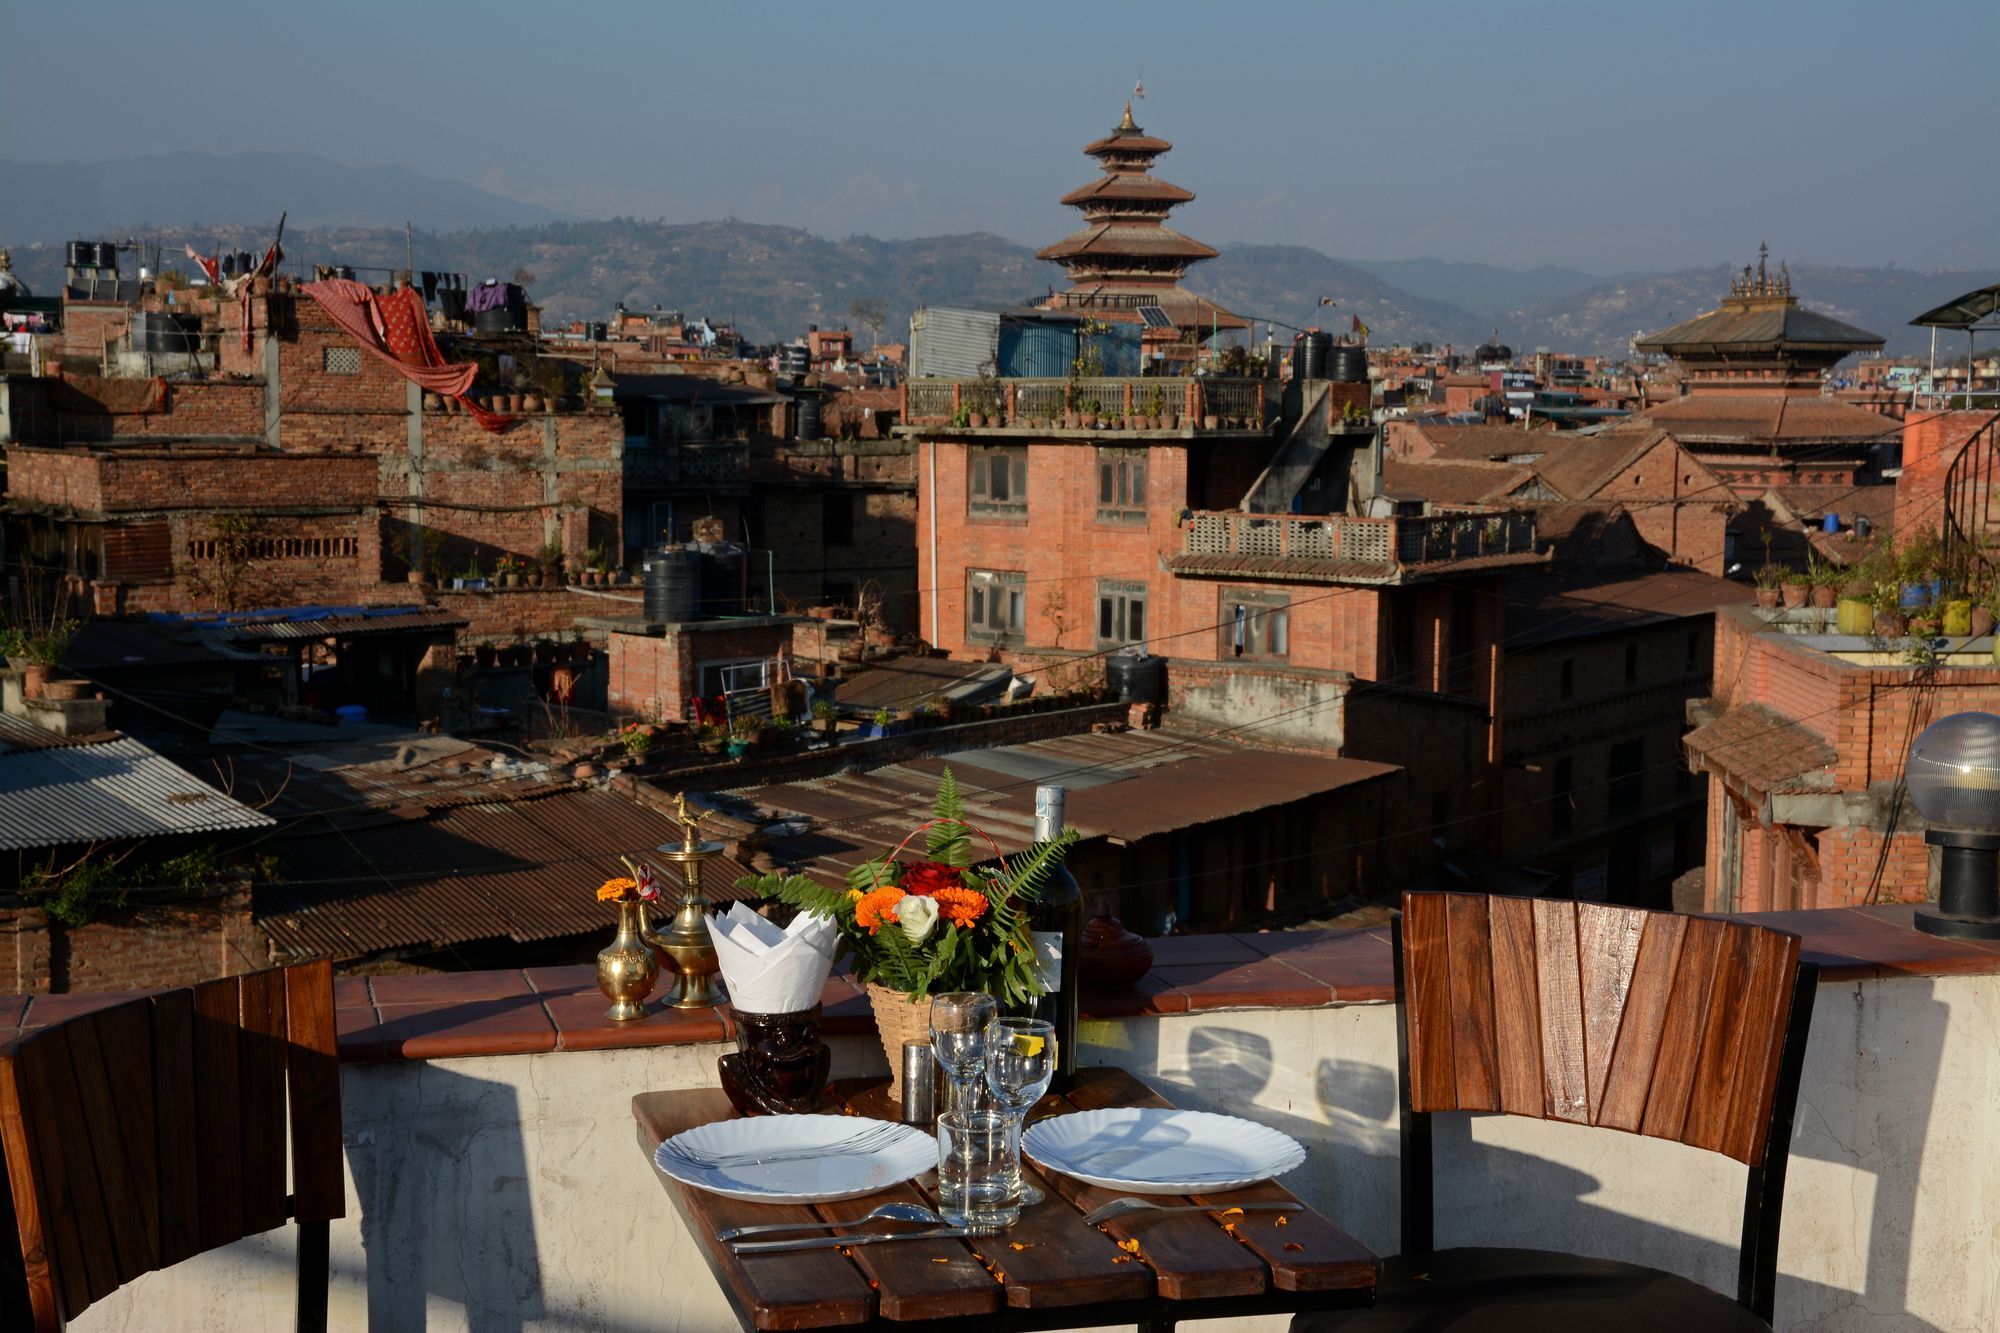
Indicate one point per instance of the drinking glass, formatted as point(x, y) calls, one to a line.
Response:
point(1021, 1059)
point(960, 1021)
point(978, 1169)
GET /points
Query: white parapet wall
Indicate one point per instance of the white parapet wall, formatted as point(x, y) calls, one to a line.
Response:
point(509, 1191)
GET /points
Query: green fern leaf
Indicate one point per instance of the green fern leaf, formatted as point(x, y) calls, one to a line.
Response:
point(949, 842)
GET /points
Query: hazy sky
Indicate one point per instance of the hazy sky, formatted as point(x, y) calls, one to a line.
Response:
point(1606, 135)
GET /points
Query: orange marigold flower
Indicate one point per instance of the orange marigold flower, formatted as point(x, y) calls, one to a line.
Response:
point(878, 909)
point(613, 889)
point(961, 907)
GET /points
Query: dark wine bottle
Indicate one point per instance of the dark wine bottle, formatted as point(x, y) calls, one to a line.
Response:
point(1057, 921)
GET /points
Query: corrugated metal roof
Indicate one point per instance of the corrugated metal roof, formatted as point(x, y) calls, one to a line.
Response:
point(1123, 785)
point(17, 733)
point(310, 622)
point(116, 789)
point(524, 868)
point(909, 681)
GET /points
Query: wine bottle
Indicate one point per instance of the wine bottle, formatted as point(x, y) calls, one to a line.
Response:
point(1057, 923)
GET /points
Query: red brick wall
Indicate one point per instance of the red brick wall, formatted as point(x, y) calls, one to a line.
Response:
point(157, 479)
point(495, 615)
point(69, 478)
point(174, 942)
point(656, 676)
point(1677, 503)
point(1931, 443)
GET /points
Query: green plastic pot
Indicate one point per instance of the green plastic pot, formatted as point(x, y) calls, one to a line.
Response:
point(1854, 615)
point(1958, 617)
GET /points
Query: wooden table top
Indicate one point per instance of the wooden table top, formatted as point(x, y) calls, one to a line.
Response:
point(1048, 1271)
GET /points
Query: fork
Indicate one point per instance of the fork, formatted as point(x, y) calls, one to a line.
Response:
point(866, 1141)
point(1104, 1212)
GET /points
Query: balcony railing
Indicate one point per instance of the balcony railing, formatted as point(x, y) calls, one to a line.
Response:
point(1380, 541)
point(1165, 402)
point(686, 464)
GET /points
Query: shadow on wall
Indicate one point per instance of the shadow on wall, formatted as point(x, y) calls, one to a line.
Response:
point(449, 1217)
point(1490, 1194)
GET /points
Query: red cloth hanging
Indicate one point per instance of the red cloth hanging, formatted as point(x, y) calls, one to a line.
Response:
point(396, 328)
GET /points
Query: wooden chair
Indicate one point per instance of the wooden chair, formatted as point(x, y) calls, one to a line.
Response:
point(156, 1129)
point(1676, 1027)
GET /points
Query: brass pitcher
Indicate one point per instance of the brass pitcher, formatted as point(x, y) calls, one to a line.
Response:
point(627, 971)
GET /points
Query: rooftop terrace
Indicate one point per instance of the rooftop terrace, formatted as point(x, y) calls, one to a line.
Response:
point(493, 1180)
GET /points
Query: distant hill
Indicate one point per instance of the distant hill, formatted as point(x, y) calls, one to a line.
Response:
point(1484, 289)
point(773, 281)
point(64, 201)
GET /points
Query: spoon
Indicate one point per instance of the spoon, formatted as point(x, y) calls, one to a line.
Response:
point(888, 1212)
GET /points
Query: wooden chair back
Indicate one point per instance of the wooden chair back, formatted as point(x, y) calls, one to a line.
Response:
point(1677, 1027)
point(144, 1133)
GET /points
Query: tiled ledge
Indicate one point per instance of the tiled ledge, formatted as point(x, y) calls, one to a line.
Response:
point(541, 1009)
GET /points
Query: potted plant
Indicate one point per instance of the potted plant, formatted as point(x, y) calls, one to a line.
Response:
point(1768, 578)
point(637, 738)
point(1854, 610)
point(742, 735)
point(1794, 587)
point(485, 654)
point(552, 565)
point(36, 652)
point(1890, 622)
point(709, 738)
point(1823, 582)
point(545, 651)
point(933, 925)
point(824, 714)
point(519, 653)
point(882, 723)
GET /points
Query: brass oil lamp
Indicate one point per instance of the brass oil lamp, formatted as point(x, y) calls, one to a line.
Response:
point(685, 940)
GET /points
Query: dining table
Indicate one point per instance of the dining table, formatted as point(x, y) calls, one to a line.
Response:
point(1049, 1270)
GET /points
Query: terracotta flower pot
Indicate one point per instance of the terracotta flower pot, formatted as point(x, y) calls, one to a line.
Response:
point(1825, 595)
point(1890, 624)
point(1794, 594)
point(1982, 621)
point(35, 678)
point(1767, 598)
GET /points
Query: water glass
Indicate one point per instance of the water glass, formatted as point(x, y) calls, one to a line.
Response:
point(1021, 1060)
point(979, 1169)
point(960, 1022)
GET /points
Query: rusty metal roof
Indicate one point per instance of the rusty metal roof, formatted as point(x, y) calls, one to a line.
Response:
point(108, 790)
point(906, 682)
point(312, 622)
point(1124, 786)
point(523, 867)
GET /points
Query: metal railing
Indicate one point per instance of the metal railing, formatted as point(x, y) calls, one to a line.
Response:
point(1381, 541)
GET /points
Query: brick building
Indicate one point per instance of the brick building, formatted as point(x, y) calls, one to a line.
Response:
point(1679, 506)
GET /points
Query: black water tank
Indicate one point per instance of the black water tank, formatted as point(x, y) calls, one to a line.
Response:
point(1349, 364)
point(809, 427)
point(1309, 353)
point(722, 579)
point(671, 575)
point(794, 359)
point(599, 331)
point(1137, 678)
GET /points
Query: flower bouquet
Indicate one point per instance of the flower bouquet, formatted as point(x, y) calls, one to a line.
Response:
point(913, 929)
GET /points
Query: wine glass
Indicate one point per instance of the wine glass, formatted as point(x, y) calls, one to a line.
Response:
point(960, 1022)
point(1020, 1061)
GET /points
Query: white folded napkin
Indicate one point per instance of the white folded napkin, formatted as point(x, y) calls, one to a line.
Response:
point(768, 970)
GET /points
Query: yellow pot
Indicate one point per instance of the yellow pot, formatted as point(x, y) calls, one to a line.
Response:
point(1958, 617)
point(1854, 615)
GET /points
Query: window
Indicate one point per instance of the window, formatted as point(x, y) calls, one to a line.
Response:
point(1628, 786)
point(1568, 685)
point(996, 605)
point(1562, 806)
point(1694, 652)
point(1121, 485)
point(1631, 663)
point(1255, 624)
point(340, 360)
point(741, 674)
point(1121, 613)
point(997, 481)
point(836, 520)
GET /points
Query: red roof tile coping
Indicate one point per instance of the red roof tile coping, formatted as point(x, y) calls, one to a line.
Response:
point(543, 1009)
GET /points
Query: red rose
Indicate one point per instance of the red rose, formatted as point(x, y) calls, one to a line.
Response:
point(927, 877)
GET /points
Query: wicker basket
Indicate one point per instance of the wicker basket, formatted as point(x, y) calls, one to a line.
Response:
point(898, 1021)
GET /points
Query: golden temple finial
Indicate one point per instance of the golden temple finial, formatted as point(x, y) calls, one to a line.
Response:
point(1127, 123)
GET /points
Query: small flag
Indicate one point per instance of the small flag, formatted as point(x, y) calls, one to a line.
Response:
point(1328, 300)
point(1139, 90)
point(1359, 327)
point(649, 888)
point(211, 265)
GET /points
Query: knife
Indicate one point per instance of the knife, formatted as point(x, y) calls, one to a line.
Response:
point(835, 1242)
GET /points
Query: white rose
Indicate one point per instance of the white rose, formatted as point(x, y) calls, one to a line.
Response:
point(917, 915)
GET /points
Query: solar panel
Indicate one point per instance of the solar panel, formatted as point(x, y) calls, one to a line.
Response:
point(1155, 317)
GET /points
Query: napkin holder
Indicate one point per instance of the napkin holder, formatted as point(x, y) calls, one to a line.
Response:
point(779, 1066)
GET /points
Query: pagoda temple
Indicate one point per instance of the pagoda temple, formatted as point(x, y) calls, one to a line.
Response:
point(1127, 262)
point(1754, 371)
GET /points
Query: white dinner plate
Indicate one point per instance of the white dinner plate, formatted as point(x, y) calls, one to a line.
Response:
point(817, 1162)
point(1148, 1151)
